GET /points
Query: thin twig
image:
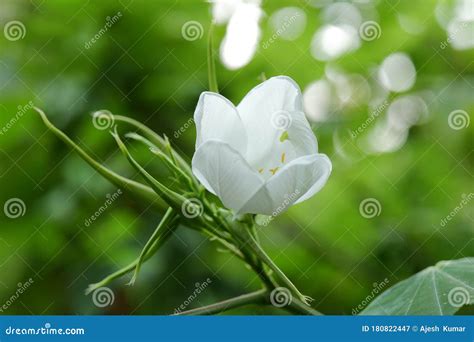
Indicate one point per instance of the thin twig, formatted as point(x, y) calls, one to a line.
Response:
point(257, 297)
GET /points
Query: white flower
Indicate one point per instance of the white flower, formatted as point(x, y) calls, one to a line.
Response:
point(259, 157)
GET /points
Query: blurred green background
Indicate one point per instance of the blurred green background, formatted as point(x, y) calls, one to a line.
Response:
point(145, 65)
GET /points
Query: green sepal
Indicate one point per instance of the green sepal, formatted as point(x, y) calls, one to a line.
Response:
point(173, 199)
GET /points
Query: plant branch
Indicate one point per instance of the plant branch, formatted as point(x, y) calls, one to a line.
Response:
point(299, 308)
point(165, 224)
point(136, 188)
point(130, 267)
point(211, 62)
point(155, 138)
point(257, 297)
point(258, 250)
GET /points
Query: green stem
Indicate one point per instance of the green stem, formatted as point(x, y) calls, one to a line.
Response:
point(257, 297)
point(139, 189)
point(165, 224)
point(174, 199)
point(211, 62)
point(258, 250)
point(130, 267)
point(300, 308)
point(170, 163)
point(154, 137)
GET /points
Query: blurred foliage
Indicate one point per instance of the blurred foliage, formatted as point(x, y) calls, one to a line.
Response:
point(142, 67)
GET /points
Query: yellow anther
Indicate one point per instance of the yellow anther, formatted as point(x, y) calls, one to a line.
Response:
point(283, 157)
point(260, 170)
point(273, 171)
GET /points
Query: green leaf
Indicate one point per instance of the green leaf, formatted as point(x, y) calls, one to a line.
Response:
point(437, 290)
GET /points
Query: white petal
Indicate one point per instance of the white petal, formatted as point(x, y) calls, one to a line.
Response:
point(216, 118)
point(267, 111)
point(296, 182)
point(225, 173)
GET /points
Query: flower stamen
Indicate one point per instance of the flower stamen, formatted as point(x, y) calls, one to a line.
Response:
point(274, 170)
